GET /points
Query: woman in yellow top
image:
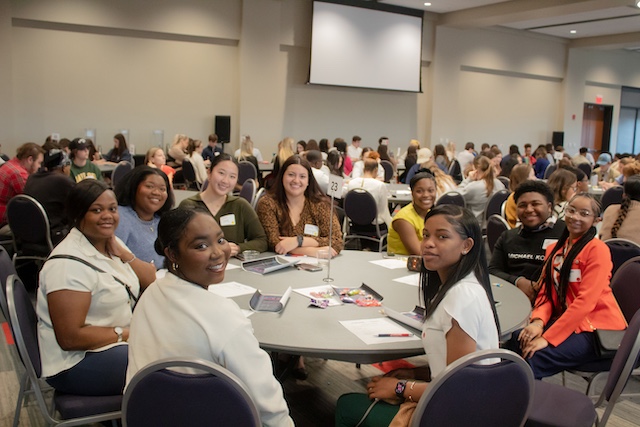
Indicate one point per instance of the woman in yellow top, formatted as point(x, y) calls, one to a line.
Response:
point(405, 233)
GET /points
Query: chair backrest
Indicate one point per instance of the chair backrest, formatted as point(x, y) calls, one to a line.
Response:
point(119, 171)
point(586, 168)
point(549, 170)
point(30, 226)
point(138, 160)
point(246, 170)
point(261, 192)
point(158, 396)
point(388, 169)
point(496, 225)
point(360, 207)
point(6, 270)
point(613, 196)
point(622, 250)
point(188, 172)
point(505, 181)
point(626, 288)
point(468, 394)
point(455, 171)
point(494, 205)
point(248, 191)
point(452, 198)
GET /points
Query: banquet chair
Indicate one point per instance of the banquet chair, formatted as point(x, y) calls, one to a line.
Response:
point(612, 196)
point(549, 170)
point(246, 170)
point(189, 174)
point(388, 170)
point(361, 210)
point(452, 198)
point(74, 410)
point(158, 395)
point(29, 224)
point(505, 181)
point(261, 192)
point(496, 225)
point(455, 171)
point(494, 205)
point(469, 394)
point(6, 269)
point(586, 168)
point(555, 405)
point(248, 191)
point(622, 250)
point(119, 172)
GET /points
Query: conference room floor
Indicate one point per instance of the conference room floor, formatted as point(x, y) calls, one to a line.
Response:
point(312, 402)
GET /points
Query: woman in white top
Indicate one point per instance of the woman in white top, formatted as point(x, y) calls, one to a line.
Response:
point(358, 167)
point(194, 154)
point(179, 317)
point(478, 187)
point(376, 188)
point(86, 295)
point(460, 315)
point(564, 185)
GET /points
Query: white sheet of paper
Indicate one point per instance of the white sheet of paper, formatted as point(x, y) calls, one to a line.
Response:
point(391, 263)
point(368, 329)
point(247, 313)
point(231, 267)
point(411, 279)
point(231, 289)
point(327, 290)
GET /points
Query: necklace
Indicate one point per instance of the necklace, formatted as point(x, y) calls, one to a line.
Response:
point(146, 223)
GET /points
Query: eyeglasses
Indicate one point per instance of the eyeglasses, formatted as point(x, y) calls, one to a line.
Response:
point(582, 212)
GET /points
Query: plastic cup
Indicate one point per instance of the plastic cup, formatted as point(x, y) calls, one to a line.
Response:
point(323, 255)
point(250, 255)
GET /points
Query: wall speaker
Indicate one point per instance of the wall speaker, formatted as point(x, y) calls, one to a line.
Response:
point(557, 139)
point(223, 128)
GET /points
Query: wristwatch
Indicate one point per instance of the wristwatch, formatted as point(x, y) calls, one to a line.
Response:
point(300, 240)
point(402, 384)
point(118, 330)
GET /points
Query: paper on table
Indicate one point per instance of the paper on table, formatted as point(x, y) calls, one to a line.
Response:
point(231, 267)
point(411, 279)
point(320, 292)
point(368, 329)
point(231, 289)
point(247, 313)
point(391, 263)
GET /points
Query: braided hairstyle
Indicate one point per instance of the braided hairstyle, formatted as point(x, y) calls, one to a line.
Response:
point(631, 192)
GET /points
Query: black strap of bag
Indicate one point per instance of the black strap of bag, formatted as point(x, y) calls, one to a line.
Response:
point(132, 297)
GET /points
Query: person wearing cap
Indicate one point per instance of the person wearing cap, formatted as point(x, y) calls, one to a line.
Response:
point(81, 166)
point(424, 155)
point(51, 186)
point(14, 174)
point(604, 170)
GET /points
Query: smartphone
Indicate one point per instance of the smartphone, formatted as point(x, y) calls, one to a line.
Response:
point(308, 267)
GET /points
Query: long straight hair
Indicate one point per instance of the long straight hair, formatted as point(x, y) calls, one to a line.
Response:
point(466, 225)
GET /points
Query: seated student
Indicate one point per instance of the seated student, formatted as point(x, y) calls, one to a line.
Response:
point(479, 186)
point(296, 214)
point(377, 189)
point(119, 152)
point(519, 174)
point(314, 157)
point(178, 317)
point(563, 183)
point(81, 166)
point(574, 297)
point(519, 253)
point(405, 233)
point(358, 167)
point(461, 316)
point(621, 220)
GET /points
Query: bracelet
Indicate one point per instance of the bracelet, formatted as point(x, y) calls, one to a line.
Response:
point(131, 260)
point(410, 390)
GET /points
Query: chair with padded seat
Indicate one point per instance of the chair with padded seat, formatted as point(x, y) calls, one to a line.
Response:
point(496, 225)
point(586, 168)
point(74, 410)
point(160, 394)
point(549, 170)
point(361, 211)
point(388, 170)
point(261, 192)
point(505, 181)
point(455, 171)
point(555, 405)
point(29, 224)
point(452, 198)
point(494, 205)
point(6, 269)
point(612, 196)
point(120, 171)
point(189, 175)
point(248, 191)
point(246, 170)
point(622, 250)
point(468, 394)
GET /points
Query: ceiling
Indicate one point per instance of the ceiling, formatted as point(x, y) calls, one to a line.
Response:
point(602, 24)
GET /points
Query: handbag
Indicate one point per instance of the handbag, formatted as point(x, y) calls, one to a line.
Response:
point(607, 342)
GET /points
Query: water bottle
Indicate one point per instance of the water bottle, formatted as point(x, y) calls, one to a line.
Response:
point(594, 180)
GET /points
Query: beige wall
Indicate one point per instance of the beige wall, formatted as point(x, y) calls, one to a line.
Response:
point(108, 65)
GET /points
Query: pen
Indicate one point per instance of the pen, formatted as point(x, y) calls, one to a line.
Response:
point(393, 335)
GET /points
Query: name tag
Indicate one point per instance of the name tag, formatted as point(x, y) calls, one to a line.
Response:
point(575, 275)
point(229, 219)
point(311, 230)
point(548, 242)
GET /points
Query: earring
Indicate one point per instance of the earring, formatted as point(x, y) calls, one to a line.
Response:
point(175, 266)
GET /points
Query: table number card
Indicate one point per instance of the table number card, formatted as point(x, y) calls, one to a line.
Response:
point(335, 186)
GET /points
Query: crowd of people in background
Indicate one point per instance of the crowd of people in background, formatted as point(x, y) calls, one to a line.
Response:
point(111, 240)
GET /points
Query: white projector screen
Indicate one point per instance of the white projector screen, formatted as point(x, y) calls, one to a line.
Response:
point(353, 46)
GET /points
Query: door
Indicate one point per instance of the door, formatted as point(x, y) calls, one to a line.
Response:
point(596, 127)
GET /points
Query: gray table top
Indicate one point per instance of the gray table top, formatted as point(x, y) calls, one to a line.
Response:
point(308, 331)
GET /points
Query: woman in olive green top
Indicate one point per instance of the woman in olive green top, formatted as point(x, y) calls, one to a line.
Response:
point(236, 217)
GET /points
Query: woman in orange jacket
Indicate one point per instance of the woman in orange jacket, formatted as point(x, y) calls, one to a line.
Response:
point(574, 298)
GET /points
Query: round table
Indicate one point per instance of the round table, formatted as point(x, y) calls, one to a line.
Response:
point(310, 331)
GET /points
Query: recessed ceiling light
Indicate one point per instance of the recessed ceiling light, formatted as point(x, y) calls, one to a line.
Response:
point(429, 4)
point(573, 31)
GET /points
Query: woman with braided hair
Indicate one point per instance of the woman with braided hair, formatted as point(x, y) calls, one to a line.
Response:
point(574, 297)
point(624, 220)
